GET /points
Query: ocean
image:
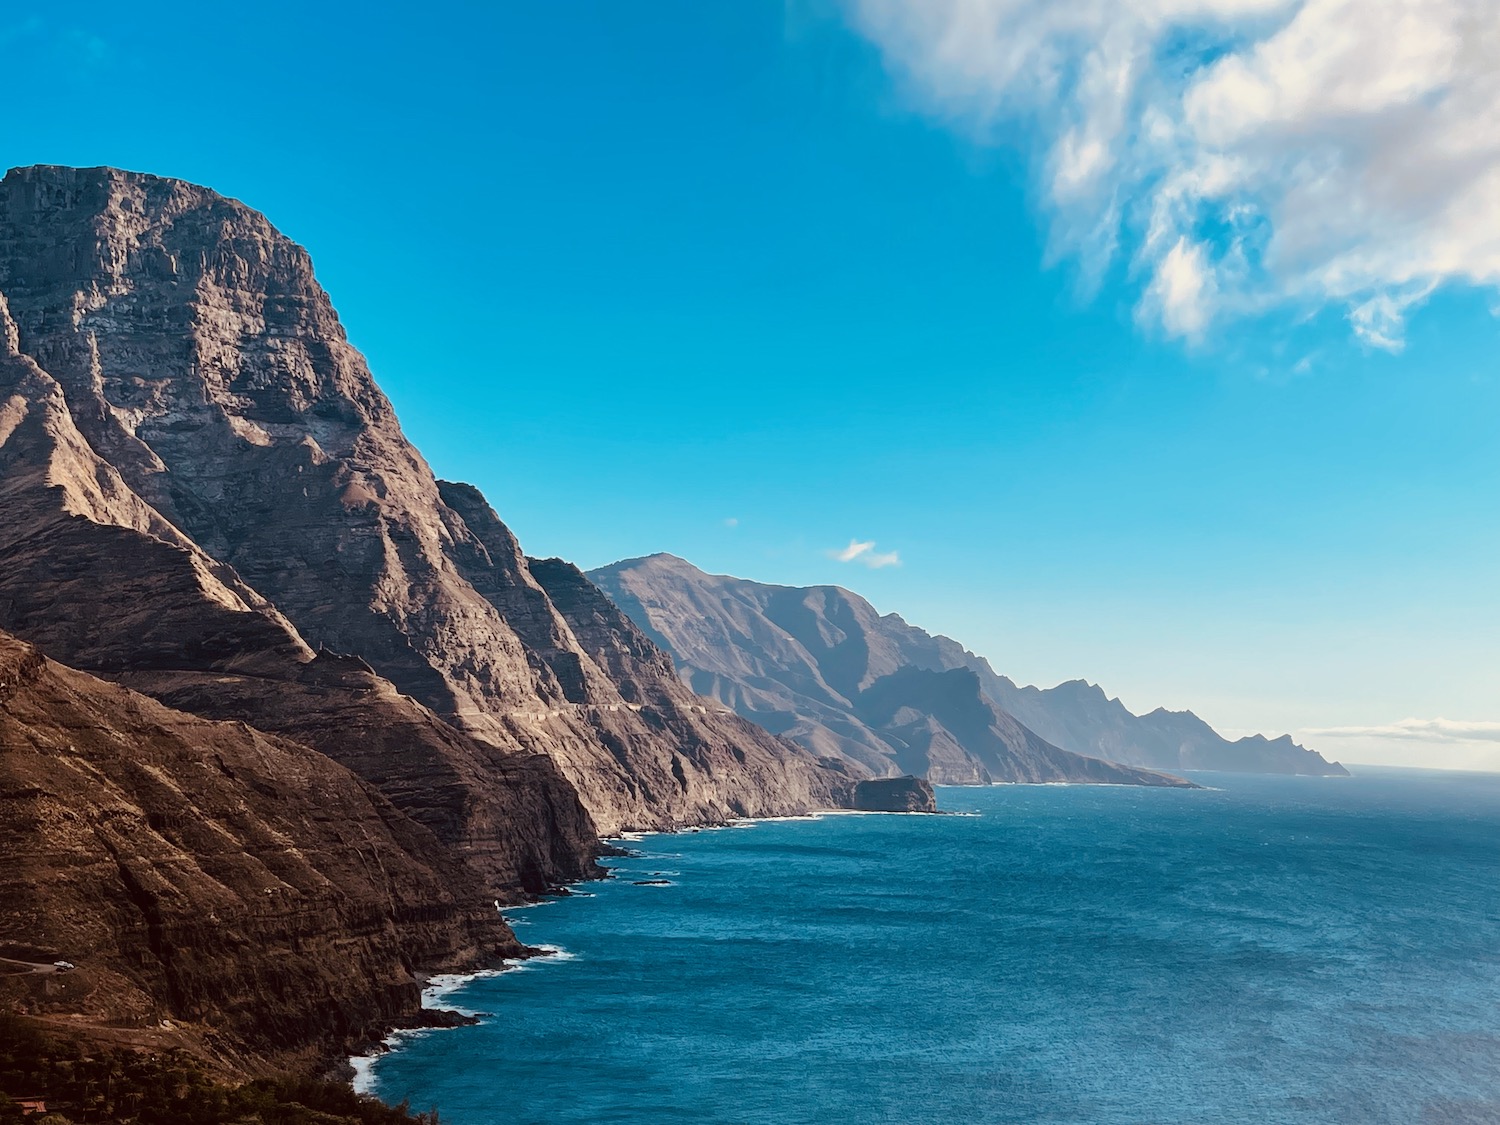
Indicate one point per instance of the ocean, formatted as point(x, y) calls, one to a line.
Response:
point(1266, 951)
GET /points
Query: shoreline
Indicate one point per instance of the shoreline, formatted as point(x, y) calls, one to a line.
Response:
point(436, 988)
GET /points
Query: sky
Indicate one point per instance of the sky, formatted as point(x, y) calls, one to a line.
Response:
point(1150, 342)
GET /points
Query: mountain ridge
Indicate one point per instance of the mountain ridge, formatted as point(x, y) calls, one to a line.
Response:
point(209, 515)
point(722, 642)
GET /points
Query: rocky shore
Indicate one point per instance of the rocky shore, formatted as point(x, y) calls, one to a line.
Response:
point(283, 717)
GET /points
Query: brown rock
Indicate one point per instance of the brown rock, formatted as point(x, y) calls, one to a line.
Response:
point(204, 872)
point(97, 577)
point(208, 379)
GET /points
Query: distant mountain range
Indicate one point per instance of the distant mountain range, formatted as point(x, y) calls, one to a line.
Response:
point(820, 666)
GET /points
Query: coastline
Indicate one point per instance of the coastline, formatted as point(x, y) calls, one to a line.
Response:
point(437, 988)
point(359, 1069)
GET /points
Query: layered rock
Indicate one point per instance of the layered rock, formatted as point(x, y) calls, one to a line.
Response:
point(207, 873)
point(200, 371)
point(100, 579)
point(821, 666)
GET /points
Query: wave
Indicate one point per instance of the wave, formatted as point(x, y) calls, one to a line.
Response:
point(364, 1073)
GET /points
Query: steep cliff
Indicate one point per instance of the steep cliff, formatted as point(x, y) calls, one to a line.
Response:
point(809, 663)
point(202, 374)
point(206, 873)
point(816, 666)
point(100, 579)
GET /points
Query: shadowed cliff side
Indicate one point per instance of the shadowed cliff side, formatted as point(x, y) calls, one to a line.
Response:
point(199, 360)
point(206, 873)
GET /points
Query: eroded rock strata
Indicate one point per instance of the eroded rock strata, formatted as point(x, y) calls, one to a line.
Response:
point(100, 579)
point(368, 710)
point(209, 874)
point(199, 360)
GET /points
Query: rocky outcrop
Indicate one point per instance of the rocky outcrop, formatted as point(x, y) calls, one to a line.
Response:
point(205, 488)
point(819, 666)
point(98, 578)
point(895, 794)
point(207, 873)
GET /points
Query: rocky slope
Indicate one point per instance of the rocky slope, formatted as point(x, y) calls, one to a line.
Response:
point(206, 488)
point(821, 666)
point(98, 578)
point(816, 666)
point(208, 874)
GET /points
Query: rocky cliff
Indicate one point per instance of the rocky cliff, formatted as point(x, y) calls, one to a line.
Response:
point(816, 666)
point(895, 794)
point(205, 488)
point(821, 666)
point(319, 710)
point(100, 579)
point(238, 884)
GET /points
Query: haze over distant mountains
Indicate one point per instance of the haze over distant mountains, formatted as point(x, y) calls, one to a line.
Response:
point(820, 666)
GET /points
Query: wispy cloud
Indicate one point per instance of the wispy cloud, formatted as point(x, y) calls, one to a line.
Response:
point(1242, 154)
point(865, 554)
point(1422, 730)
point(732, 521)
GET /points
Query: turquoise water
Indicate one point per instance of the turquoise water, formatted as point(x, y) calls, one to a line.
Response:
point(1276, 950)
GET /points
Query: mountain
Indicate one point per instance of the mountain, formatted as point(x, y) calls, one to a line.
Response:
point(820, 666)
point(250, 890)
point(206, 497)
point(282, 715)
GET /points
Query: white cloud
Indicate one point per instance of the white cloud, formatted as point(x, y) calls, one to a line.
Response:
point(732, 521)
point(865, 554)
point(1250, 153)
point(1422, 730)
point(1181, 290)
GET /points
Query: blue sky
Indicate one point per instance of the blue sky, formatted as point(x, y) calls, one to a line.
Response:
point(752, 282)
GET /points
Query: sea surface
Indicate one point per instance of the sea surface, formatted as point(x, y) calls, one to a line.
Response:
point(1266, 951)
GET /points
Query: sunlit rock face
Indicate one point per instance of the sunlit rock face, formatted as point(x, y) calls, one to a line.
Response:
point(207, 465)
point(821, 666)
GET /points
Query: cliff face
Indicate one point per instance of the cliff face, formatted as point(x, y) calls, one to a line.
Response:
point(821, 666)
point(817, 666)
point(99, 578)
point(171, 349)
point(207, 873)
point(719, 761)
